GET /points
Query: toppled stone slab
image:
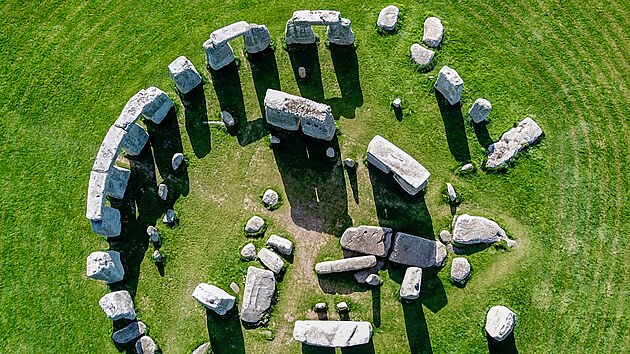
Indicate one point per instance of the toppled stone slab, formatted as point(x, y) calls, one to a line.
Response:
point(184, 74)
point(460, 270)
point(158, 105)
point(480, 110)
point(388, 18)
point(500, 322)
point(433, 32)
point(270, 198)
point(129, 332)
point(214, 298)
point(362, 275)
point(105, 266)
point(280, 244)
point(527, 132)
point(452, 195)
point(332, 334)
point(408, 172)
point(260, 286)
point(421, 55)
point(470, 230)
point(229, 32)
point(449, 84)
point(417, 251)
point(254, 225)
point(410, 287)
point(146, 345)
point(248, 251)
point(373, 240)
point(117, 305)
point(270, 260)
point(345, 265)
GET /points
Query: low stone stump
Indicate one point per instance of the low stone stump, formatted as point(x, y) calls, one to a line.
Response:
point(270, 198)
point(480, 110)
point(526, 133)
point(421, 55)
point(471, 230)
point(500, 322)
point(163, 191)
point(411, 284)
point(270, 260)
point(449, 84)
point(362, 275)
point(184, 74)
point(177, 160)
point(417, 251)
point(345, 265)
point(280, 244)
point(388, 18)
point(254, 225)
point(213, 298)
point(129, 332)
point(117, 305)
point(374, 240)
point(105, 266)
point(260, 286)
point(146, 345)
point(248, 252)
point(433, 32)
point(332, 334)
point(460, 270)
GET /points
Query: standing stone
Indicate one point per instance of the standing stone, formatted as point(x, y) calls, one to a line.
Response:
point(467, 167)
point(177, 160)
point(342, 307)
point(213, 298)
point(184, 74)
point(227, 118)
point(302, 72)
point(388, 18)
point(260, 285)
point(397, 103)
point(320, 306)
point(274, 139)
point(450, 84)
point(218, 56)
point(460, 270)
point(162, 191)
point(257, 38)
point(330, 153)
point(158, 257)
point(117, 305)
point(135, 140)
point(270, 198)
point(299, 33)
point(129, 332)
point(280, 244)
point(470, 230)
point(234, 287)
point(332, 334)
point(362, 275)
point(500, 322)
point(433, 32)
point(452, 195)
point(340, 33)
point(411, 284)
point(169, 217)
point(249, 251)
point(270, 260)
point(202, 349)
point(421, 55)
point(374, 240)
point(345, 265)
point(480, 110)
point(526, 133)
point(109, 224)
point(445, 237)
point(254, 225)
point(417, 251)
point(105, 266)
point(373, 279)
point(146, 345)
point(158, 106)
point(350, 163)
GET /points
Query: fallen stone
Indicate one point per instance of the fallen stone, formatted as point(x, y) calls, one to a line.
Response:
point(452, 195)
point(460, 270)
point(342, 307)
point(374, 240)
point(445, 237)
point(350, 163)
point(270, 198)
point(320, 306)
point(500, 322)
point(158, 105)
point(331, 334)
point(302, 72)
point(129, 332)
point(421, 55)
point(527, 132)
point(213, 298)
point(417, 251)
point(248, 251)
point(467, 167)
point(330, 153)
point(177, 160)
point(117, 305)
point(345, 265)
point(470, 230)
point(146, 345)
point(260, 286)
point(480, 110)
point(105, 266)
point(254, 225)
point(373, 279)
point(158, 257)
point(396, 103)
point(274, 139)
point(411, 284)
point(270, 260)
point(169, 217)
point(184, 74)
point(257, 39)
point(408, 172)
point(433, 32)
point(234, 287)
point(162, 191)
point(450, 84)
point(388, 18)
point(280, 244)
point(361, 276)
point(202, 349)
point(227, 119)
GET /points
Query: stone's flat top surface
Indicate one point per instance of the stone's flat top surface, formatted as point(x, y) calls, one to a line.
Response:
point(108, 151)
point(270, 260)
point(254, 224)
point(229, 32)
point(469, 230)
point(105, 266)
point(332, 334)
point(260, 285)
point(129, 332)
point(297, 105)
point(398, 161)
point(323, 17)
point(421, 55)
point(345, 265)
point(480, 110)
point(133, 109)
point(500, 322)
point(373, 240)
point(248, 251)
point(280, 244)
point(433, 32)
point(460, 269)
point(450, 75)
point(213, 298)
point(96, 195)
point(411, 284)
point(388, 17)
point(514, 140)
point(417, 251)
point(117, 305)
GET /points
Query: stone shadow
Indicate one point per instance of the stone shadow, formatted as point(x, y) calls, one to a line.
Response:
point(264, 74)
point(416, 327)
point(307, 56)
point(225, 332)
point(432, 293)
point(354, 184)
point(346, 65)
point(309, 349)
point(196, 114)
point(367, 348)
point(507, 346)
point(481, 131)
point(454, 127)
point(376, 306)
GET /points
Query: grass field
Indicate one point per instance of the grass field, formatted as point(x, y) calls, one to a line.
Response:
point(68, 67)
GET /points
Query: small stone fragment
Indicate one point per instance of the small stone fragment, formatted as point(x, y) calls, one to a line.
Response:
point(467, 167)
point(254, 225)
point(460, 270)
point(234, 287)
point(331, 334)
point(162, 191)
point(105, 266)
point(280, 244)
point(396, 103)
point(270, 260)
point(274, 139)
point(249, 251)
point(342, 307)
point(117, 305)
point(410, 287)
point(270, 198)
point(214, 298)
point(350, 163)
point(169, 217)
point(177, 160)
point(500, 322)
point(302, 72)
point(445, 237)
point(345, 265)
point(373, 279)
point(227, 119)
point(129, 332)
point(452, 195)
point(330, 152)
point(388, 18)
point(421, 55)
point(433, 32)
point(158, 257)
point(154, 234)
point(146, 345)
point(320, 306)
point(202, 349)
point(480, 110)
point(361, 276)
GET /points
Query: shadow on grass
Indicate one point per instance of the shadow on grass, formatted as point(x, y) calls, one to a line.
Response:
point(309, 349)
point(432, 293)
point(483, 136)
point(196, 114)
point(454, 127)
point(354, 184)
point(225, 332)
point(367, 348)
point(507, 346)
point(416, 327)
point(307, 56)
point(264, 74)
point(376, 306)
point(346, 65)
point(340, 283)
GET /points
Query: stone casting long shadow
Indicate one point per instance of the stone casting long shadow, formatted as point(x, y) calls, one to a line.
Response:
point(432, 293)
point(454, 127)
point(307, 56)
point(346, 66)
point(196, 114)
point(507, 346)
point(225, 332)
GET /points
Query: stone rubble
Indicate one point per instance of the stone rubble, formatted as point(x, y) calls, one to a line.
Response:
point(373, 240)
point(214, 298)
point(526, 133)
point(417, 251)
point(345, 265)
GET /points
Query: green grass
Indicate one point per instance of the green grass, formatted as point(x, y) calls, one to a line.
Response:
point(69, 67)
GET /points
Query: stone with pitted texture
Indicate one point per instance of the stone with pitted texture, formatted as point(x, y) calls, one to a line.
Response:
point(184, 74)
point(270, 198)
point(248, 251)
point(433, 32)
point(117, 305)
point(213, 298)
point(270, 260)
point(260, 286)
point(460, 270)
point(450, 190)
point(158, 105)
point(388, 18)
point(449, 84)
point(129, 332)
point(362, 275)
point(162, 191)
point(317, 17)
point(373, 240)
point(254, 225)
point(109, 223)
point(340, 33)
point(280, 244)
point(332, 334)
point(470, 230)
point(411, 284)
point(135, 140)
point(526, 133)
point(105, 266)
point(218, 56)
point(480, 110)
point(345, 265)
point(417, 251)
point(421, 55)
point(177, 160)
point(109, 149)
point(146, 345)
point(257, 39)
point(229, 32)
point(500, 322)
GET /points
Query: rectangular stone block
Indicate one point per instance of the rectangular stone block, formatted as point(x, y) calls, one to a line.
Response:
point(158, 106)
point(417, 251)
point(345, 265)
point(135, 140)
point(133, 110)
point(110, 147)
point(289, 112)
point(109, 225)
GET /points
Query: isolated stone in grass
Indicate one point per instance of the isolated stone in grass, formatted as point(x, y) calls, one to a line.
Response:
point(254, 225)
point(320, 306)
point(234, 287)
point(460, 270)
point(433, 32)
point(480, 110)
point(270, 198)
point(374, 240)
point(274, 139)
point(146, 345)
point(227, 119)
point(270, 260)
point(445, 237)
point(184, 74)
point(213, 298)
point(177, 160)
point(302, 72)
point(449, 84)
point(527, 132)
point(169, 217)
point(129, 332)
point(154, 234)
point(500, 322)
point(350, 163)
point(452, 195)
point(330, 153)
point(332, 334)
point(260, 285)
point(342, 307)
point(397, 103)
point(470, 230)
point(162, 191)
point(202, 349)
point(280, 244)
point(345, 265)
point(105, 266)
point(158, 257)
point(248, 251)
point(361, 276)
point(117, 305)
point(467, 167)
point(373, 279)
point(417, 251)
point(388, 18)
point(421, 55)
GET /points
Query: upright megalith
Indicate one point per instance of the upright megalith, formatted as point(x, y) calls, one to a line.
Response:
point(135, 140)
point(260, 286)
point(526, 133)
point(117, 305)
point(500, 322)
point(213, 298)
point(257, 39)
point(105, 266)
point(332, 334)
point(158, 105)
point(299, 31)
point(480, 110)
point(219, 53)
point(449, 84)
point(184, 74)
point(410, 287)
point(433, 32)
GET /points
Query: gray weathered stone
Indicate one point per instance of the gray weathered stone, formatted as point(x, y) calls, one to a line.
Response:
point(257, 39)
point(254, 224)
point(218, 56)
point(417, 251)
point(229, 32)
point(146, 345)
point(274, 139)
point(248, 251)
point(109, 224)
point(450, 84)
point(452, 195)
point(480, 110)
point(317, 17)
point(169, 217)
point(109, 149)
point(408, 172)
point(330, 153)
point(320, 306)
point(500, 322)
point(105, 266)
point(374, 240)
point(129, 332)
point(158, 105)
point(331, 334)
point(433, 32)
point(299, 33)
point(117, 180)
point(162, 191)
point(345, 265)
point(342, 307)
point(467, 167)
point(213, 298)
point(158, 257)
point(135, 140)
point(97, 191)
point(373, 279)
point(280, 244)
point(350, 163)
point(202, 349)
point(340, 33)
point(445, 237)
point(270, 260)
point(460, 270)
point(177, 160)
point(260, 286)
point(184, 74)
point(227, 119)
point(234, 287)
point(421, 55)
point(153, 233)
point(397, 103)
point(302, 72)
point(527, 132)
point(133, 110)
point(470, 230)
point(117, 305)
point(411, 284)
point(270, 198)
point(361, 276)
point(388, 18)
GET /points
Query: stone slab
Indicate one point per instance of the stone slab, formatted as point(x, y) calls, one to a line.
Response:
point(374, 240)
point(345, 265)
point(332, 334)
point(526, 133)
point(417, 251)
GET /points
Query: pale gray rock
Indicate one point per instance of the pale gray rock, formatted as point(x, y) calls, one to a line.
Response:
point(270, 198)
point(117, 305)
point(460, 270)
point(146, 345)
point(117, 181)
point(345, 265)
point(274, 139)
point(260, 286)
point(257, 39)
point(184, 74)
point(340, 33)
point(158, 105)
point(350, 163)
point(470, 230)
point(411, 284)
point(450, 84)
point(105, 266)
point(135, 140)
point(480, 110)
point(218, 56)
point(500, 322)
point(133, 110)
point(280, 244)
point(330, 153)
point(109, 224)
point(96, 195)
point(177, 160)
point(396, 103)
point(229, 32)
point(158, 257)
point(467, 167)
point(299, 33)
point(227, 119)
point(362, 275)
point(408, 172)
point(213, 298)
point(234, 287)
point(254, 224)
point(169, 217)
point(445, 237)
point(202, 349)
point(452, 195)
point(248, 251)
point(342, 307)
point(388, 18)
point(129, 332)
point(421, 55)
point(270, 260)
point(332, 334)
point(417, 251)
point(302, 72)
point(162, 191)
point(373, 240)
point(433, 32)
point(109, 149)
point(320, 306)
point(373, 279)
point(153, 233)
point(317, 17)
point(527, 132)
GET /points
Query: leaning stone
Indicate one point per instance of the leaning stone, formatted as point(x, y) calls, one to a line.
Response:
point(270, 260)
point(177, 160)
point(202, 349)
point(445, 237)
point(452, 195)
point(408, 172)
point(129, 332)
point(227, 119)
point(527, 132)
point(257, 39)
point(388, 18)
point(433, 32)
point(450, 84)
point(260, 286)
point(362, 275)
point(234, 287)
point(280, 244)
point(345, 265)
point(421, 55)
point(169, 217)
point(117, 305)
point(254, 225)
point(154, 234)
point(410, 287)
point(342, 307)
point(460, 270)
point(373, 279)
point(349, 162)
point(331, 334)
point(470, 230)
point(302, 72)
point(213, 298)
point(417, 251)
point(158, 105)
point(105, 266)
point(162, 191)
point(248, 251)
point(500, 322)
point(480, 110)
point(270, 198)
point(374, 240)
point(320, 306)
point(146, 345)
point(184, 74)
point(330, 153)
